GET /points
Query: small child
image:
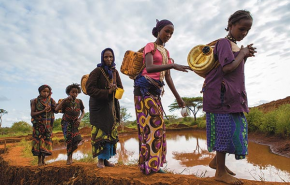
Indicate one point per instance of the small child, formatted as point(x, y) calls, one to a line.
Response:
point(71, 107)
point(225, 98)
point(42, 118)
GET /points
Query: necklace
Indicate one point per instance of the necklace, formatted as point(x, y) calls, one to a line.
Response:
point(73, 104)
point(231, 39)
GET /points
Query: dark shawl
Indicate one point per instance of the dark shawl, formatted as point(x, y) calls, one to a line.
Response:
point(101, 102)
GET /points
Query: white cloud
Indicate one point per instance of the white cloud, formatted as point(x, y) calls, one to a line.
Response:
point(56, 42)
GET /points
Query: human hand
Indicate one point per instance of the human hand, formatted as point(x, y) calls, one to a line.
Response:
point(47, 108)
point(248, 51)
point(113, 88)
point(180, 102)
point(181, 68)
point(252, 50)
point(78, 121)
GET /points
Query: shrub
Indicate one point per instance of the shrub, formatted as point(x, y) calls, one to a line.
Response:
point(21, 126)
point(201, 124)
point(269, 124)
point(57, 125)
point(255, 119)
point(283, 120)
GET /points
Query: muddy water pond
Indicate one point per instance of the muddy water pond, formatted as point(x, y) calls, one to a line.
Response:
point(187, 154)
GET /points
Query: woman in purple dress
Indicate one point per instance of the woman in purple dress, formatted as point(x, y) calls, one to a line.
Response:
point(225, 98)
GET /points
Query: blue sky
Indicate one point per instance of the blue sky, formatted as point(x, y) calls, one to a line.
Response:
point(56, 42)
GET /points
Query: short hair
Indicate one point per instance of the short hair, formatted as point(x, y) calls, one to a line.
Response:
point(237, 16)
point(70, 87)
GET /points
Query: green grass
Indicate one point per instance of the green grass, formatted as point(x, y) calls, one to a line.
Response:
point(27, 151)
point(276, 122)
point(15, 134)
point(88, 158)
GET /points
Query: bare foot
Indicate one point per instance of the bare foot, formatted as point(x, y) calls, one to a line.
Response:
point(69, 159)
point(43, 163)
point(108, 163)
point(68, 162)
point(227, 178)
point(213, 165)
point(39, 163)
point(101, 163)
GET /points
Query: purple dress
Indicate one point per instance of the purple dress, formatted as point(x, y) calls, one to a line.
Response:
point(225, 101)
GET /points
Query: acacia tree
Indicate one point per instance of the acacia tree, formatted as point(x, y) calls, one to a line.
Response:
point(194, 104)
point(2, 112)
point(124, 116)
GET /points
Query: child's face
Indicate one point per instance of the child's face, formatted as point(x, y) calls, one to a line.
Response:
point(240, 30)
point(45, 92)
point(74, 93)
point(165, 33)
point(108, 58)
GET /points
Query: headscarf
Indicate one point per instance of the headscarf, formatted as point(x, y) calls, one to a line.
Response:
point(159, 25)
point(108, 69)
point(43, 87)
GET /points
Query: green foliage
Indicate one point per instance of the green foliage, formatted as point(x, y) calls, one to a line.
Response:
point(187, 119)
point(131, 124)
point(4, 131)
point(124, 114)
point(268, 126)
point(2, 112)
point(283, 121)
point(57, 125)
point(194, 103)
point(275, 122)
point(88, 158)
point(255, 119)
point(26, 152)
point(201, 124)
point(21, 126)
point(86, 120)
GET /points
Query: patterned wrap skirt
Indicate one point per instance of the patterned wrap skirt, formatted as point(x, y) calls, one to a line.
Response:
point(227, 133)
point(151, 133)
point(71, 135)
point(41, 142)
point(104, 145)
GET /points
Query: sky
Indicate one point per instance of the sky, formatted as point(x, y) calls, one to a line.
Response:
point(56, 42)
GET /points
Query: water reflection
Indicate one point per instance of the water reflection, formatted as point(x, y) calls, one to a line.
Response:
point(187, 154)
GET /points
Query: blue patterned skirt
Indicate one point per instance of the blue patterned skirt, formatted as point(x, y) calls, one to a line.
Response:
point(227, 133)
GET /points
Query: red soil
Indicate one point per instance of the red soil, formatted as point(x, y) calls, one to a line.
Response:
point(266, 107)
point(15, 169)
point(84, 173)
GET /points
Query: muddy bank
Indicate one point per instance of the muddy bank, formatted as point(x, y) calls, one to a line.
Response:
point(278, 145)
point(83, 173)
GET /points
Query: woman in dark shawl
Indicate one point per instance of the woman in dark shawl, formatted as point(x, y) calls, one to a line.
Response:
point(104, 108)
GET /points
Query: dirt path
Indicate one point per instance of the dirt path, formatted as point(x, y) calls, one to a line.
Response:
point(15, 169)
point(14, 156)
point(83, 173)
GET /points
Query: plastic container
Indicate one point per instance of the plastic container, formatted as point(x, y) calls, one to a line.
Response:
point(119, 93)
